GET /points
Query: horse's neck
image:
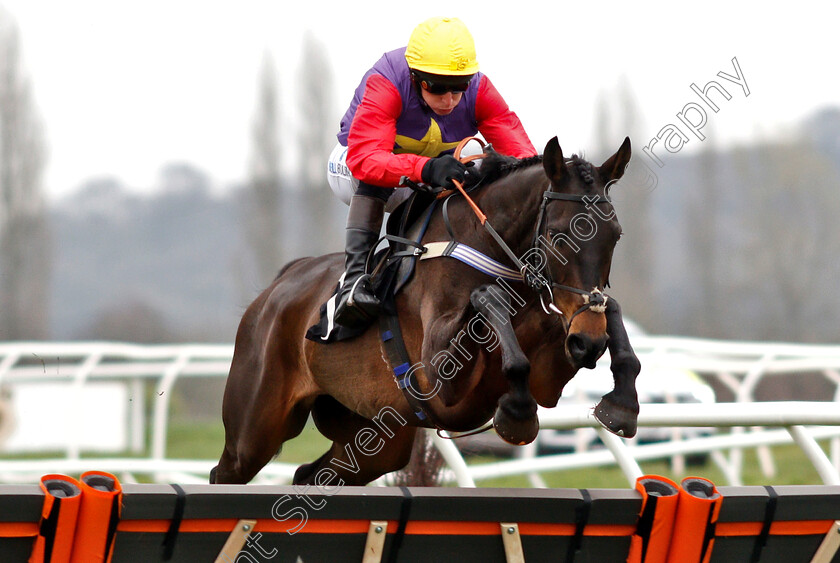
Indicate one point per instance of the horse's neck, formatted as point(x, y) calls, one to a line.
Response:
point(512, 206)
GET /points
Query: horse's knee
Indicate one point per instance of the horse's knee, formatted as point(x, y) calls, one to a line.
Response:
point(393, 457)
point(517, 367)
point(490, 296)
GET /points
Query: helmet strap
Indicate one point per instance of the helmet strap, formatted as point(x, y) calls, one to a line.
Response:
point(419, 90)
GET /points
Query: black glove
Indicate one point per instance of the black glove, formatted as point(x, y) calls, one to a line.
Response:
point(441, 170)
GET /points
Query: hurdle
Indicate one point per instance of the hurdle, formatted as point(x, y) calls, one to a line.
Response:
point(258, 523)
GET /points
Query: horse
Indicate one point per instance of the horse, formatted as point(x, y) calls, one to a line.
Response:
point(483, 348)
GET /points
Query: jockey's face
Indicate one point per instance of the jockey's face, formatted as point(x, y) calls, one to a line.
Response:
point(442, 104)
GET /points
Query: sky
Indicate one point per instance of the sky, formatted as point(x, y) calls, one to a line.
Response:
point(125, 87)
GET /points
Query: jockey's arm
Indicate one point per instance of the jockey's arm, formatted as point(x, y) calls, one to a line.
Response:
point(499, 125)
point(370, 143)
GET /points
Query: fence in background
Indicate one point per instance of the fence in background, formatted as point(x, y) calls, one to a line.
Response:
point(78, 383)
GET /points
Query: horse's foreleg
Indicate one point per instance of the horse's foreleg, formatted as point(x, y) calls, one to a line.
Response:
point(618, 410)
point(516, 415)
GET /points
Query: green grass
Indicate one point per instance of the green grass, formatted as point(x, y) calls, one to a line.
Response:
point(792, 468)
point(205, 441)
point(188, 440)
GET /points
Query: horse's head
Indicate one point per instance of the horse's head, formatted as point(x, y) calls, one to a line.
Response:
point(578, 231)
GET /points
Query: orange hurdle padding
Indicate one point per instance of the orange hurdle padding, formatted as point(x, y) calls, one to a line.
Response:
point(62, 499)
point(99, 515)
point(650, 542)
point(697, 514)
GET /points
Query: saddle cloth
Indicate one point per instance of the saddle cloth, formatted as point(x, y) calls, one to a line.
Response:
point(408, 221)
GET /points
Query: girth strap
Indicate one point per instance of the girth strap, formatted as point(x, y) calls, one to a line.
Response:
point(394, 345)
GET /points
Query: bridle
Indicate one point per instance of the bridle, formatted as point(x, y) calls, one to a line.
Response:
point(595, 300)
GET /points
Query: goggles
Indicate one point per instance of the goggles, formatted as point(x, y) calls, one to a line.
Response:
point(438, 87)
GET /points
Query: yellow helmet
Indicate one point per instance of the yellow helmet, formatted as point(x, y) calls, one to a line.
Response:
point(442, 46)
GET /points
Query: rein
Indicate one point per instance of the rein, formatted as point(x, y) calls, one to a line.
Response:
point(594, 300)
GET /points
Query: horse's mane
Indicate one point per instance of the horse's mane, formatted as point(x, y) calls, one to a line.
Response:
point(495, 166)
point(583, 167)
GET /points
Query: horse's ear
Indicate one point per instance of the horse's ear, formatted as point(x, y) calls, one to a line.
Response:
point(554, 163)
point(613, 167)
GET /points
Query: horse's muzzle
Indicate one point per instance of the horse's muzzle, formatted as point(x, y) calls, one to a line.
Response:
point(584, 350)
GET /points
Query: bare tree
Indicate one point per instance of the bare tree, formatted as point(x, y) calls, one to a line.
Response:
point(788, 245)
point(703, 212)
point(130, 320)
point(319, 125)
point(316, 138)
point(24, 238)
point(603, 129)
point(263, 205)
point(633, 266)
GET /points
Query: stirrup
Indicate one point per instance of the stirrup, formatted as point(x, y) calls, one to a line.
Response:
point(363, 278)
point(350, 313)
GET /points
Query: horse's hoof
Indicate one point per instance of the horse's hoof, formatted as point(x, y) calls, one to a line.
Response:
point(619, 420)
point(515, 430)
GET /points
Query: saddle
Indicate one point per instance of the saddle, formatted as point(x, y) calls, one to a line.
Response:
point(393, 270)
point(393, 265)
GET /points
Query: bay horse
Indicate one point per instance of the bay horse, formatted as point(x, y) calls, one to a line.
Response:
point(484, 349)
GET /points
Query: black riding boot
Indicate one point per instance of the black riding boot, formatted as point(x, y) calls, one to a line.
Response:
point(356, 302)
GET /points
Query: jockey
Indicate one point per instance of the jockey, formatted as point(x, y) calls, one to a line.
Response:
point(408, 114)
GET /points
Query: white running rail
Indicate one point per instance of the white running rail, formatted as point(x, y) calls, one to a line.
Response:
point(801, 422)
point(740, 366)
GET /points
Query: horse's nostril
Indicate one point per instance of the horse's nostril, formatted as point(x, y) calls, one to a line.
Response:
point(576, 345)
point(584, 350)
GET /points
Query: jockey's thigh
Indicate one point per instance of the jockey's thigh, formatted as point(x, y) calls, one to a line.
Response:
point(344, 185)
point(341, 181)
